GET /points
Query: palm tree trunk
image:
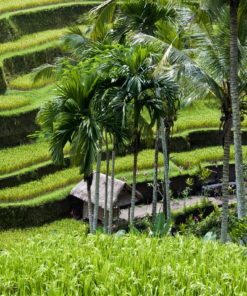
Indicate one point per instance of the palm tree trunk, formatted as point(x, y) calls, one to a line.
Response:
point(236, 109)
point(97, 184)
point(155, 181)
point(166, 170)
point(112, 192)
point(225, 181)
point(89, 204)
point(133, 193)
point(106, 184)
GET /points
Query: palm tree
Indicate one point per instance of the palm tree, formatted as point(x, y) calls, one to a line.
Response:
point(214, 61)
point(70, 117)
point(237, 41)
point(234, 86)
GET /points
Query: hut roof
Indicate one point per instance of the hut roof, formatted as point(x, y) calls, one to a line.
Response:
point(80, 190)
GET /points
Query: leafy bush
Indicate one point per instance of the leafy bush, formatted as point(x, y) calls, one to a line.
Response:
point(239, 230)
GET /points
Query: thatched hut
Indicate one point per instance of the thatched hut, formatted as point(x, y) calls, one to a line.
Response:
point(121, 196)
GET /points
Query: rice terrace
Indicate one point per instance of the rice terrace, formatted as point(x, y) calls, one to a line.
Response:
point(123, 147)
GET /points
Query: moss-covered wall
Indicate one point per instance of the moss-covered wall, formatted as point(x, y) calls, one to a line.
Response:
point(16, 128)
point(21, 216)
point(8, 31)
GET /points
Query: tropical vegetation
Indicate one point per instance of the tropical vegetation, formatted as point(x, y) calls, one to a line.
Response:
point(151, 92)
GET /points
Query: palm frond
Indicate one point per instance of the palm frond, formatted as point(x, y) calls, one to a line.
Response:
point(46, 71)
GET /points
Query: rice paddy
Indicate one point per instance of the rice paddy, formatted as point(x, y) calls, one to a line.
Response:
point(17, 158)
point(61, 258)
point(12, 5)
point(180, 164)
point(12, 102)
point(69, 262)
point(25, 82)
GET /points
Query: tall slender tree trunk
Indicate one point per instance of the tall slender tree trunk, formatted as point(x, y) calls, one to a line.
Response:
point(133, 193)
point(97, 185)
point(236, 109)
point(106, 184)
point(225, 181)
point(89, 204)
point(155, 181)
point(166, 170)
point(112, 192)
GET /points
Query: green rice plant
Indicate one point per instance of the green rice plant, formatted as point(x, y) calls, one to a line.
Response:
point(68, 176)
point(145, 161)
point(60, 259)
point(12, 102)
point(16, 158)
point(182, 163)
point(25, 82)
point(31, 40)
point(29, 50)
point(36, 98)
point(46, 184)
point(12, 237)
point(201, 114)
point(195, 157)
point(28, 41)
point(11, 5)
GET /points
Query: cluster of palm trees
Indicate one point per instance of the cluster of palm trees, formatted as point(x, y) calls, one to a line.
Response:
point(126, 75)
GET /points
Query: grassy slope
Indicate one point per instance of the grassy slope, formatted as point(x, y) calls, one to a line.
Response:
point(59, 259)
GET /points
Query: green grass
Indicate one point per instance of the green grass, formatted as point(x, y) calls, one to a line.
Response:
point(25, 82)
point(12, 102)
point(60, 259)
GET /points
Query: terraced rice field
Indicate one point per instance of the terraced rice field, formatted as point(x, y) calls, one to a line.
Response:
point(33, 191)
point(23, 96)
